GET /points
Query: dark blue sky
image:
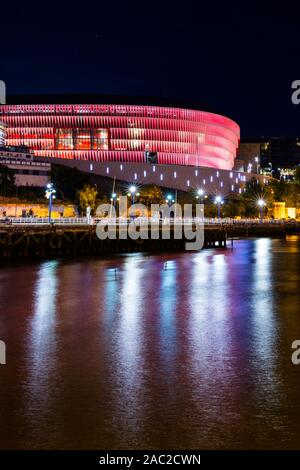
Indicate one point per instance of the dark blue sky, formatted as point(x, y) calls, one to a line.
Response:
point(239, 60)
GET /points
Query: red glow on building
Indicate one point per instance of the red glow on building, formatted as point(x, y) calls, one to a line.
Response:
point(123, 133)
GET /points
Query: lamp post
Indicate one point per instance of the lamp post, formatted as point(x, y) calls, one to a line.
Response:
point(114, 199)
point(133, 192)
point(219, 201)
point(201, 195)
point(169, 200)
point(261, 204)
point(50, 195)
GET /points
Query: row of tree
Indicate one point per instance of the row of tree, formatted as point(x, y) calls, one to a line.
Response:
point(74, 186)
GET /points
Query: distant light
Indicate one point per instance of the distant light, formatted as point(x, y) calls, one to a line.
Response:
point(135, 176)
point(200, 192)
point(132, 189)
point(218, 200)
point(261, 202)
point(169, 197)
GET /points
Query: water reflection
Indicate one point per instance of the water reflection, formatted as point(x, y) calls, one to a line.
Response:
point(42, 328)
point(180, 350)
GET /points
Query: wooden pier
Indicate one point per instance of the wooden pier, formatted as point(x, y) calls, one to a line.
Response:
point(59, 241)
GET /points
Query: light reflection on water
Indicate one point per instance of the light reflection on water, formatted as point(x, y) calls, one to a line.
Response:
point(160, 351)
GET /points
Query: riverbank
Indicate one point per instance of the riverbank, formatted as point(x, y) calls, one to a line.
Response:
point(62, 241)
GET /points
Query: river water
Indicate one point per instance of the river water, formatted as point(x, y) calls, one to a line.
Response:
point(183, 350)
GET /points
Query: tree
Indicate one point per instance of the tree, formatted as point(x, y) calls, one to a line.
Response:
point(254, 191)
point(68, 181)
point(151, 195)
point(87, 197)
point(7, 181)
point(297, 175)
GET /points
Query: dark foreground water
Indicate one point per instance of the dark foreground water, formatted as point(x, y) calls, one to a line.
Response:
point(194, 354)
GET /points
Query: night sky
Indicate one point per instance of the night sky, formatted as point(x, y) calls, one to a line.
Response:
point(238, 61)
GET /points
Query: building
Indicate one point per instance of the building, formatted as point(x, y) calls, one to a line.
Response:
point(2, 133)
point(277, 157)
point(173, 147)
point(27, 170)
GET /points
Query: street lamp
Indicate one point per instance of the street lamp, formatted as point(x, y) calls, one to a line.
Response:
point(133, 193)
point(219, 201)
point(50, 195)
point(113, 198)
point(261, 204)
point(169, 199)
point(201, 195)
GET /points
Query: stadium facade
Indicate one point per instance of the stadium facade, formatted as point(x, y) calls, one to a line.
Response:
point(185, 147)
point(2, 134)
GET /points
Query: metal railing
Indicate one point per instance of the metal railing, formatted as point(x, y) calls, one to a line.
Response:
point(142, 220)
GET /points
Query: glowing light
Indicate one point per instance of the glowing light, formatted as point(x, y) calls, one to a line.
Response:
point(261, 203)
point(61, 132)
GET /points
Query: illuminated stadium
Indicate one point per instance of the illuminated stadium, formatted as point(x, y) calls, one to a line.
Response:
point(2, 133)
point(169, 146)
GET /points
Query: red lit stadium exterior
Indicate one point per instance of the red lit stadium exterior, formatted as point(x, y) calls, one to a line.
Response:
point(123, 133)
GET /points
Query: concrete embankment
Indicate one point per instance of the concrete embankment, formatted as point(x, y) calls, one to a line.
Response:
point(54, 241)
point(60, 241)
